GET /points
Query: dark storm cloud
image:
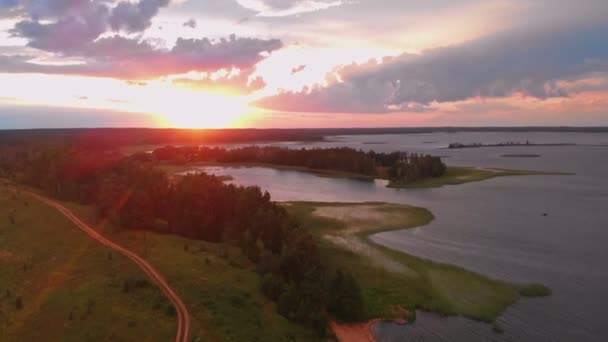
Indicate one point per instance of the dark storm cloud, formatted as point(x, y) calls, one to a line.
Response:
point(531, 63)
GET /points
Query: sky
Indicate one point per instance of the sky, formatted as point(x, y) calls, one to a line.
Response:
point(303, 63)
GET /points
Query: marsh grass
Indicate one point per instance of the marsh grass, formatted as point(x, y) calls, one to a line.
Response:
point(431, 286)
point(461, 175)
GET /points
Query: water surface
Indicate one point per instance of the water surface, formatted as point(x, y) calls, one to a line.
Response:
point(496, 227)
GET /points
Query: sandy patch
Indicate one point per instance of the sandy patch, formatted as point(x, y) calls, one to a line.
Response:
point(358, 332)
point(351, 213)
point(361, 218)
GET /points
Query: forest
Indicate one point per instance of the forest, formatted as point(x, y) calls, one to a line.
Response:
point(113, 138)
point(134, 193)
point(398, 167)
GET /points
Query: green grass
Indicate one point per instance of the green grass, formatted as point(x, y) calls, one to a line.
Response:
point(460, 175)
point(216, 281)
point(73, 290)
point(69, 286)
point(422, 284)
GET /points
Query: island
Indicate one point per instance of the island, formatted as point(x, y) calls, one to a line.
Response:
point(400, 169)
point(503, 144)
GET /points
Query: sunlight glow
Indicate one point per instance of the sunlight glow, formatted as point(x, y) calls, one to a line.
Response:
point(187, 108)
point(174, 105)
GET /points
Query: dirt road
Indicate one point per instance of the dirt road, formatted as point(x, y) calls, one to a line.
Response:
point(183, 317)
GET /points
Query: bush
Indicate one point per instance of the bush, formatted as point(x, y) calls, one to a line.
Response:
point(170, 311)
point(18, 303)
point(345, 299)
point(272, 286)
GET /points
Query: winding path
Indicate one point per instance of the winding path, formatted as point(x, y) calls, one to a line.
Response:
point(183, 317)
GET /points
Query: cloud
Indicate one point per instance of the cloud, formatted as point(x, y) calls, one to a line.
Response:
point(60, 25)
point(284, 8)
point(298, 69)
point(135, 17)
point(129, 58)
point(234, 82)
point(529, 63)
point(74, 26)
point(190, 23)
point(91, 32)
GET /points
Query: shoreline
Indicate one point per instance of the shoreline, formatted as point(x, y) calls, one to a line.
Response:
point(455, 175)
point(431, 286)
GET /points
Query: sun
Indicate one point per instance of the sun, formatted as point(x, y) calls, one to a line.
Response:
point(188, 108)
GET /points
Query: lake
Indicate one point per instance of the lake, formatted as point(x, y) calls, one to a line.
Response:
point(545, 229)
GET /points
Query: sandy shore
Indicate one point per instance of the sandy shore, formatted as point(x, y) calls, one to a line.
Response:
point(356, 332)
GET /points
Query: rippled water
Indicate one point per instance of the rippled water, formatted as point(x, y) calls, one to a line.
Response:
point(495, 227)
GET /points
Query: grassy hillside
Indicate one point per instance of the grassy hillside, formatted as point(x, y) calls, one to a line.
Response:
point(58, 284)
point(217, 283)
point(73, 289)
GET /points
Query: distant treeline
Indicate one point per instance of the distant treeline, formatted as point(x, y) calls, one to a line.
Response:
point(135, 194)
point(399, 167)
point(502, 144)
point(112, 138)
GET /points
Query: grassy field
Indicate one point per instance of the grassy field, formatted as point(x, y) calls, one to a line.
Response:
point(72, 289)
point(217, 283)
point(461, 175)
point(58, 284)
point(391, 280)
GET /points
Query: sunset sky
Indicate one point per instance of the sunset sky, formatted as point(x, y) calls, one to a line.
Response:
point(302, 63)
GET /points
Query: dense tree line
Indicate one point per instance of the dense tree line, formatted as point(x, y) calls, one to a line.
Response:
point(136, 194)
point(401, 167)
point(479, 144)
point(413, 167)
point(114, 138)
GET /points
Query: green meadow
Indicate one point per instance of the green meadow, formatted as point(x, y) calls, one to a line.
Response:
point(57, 283)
